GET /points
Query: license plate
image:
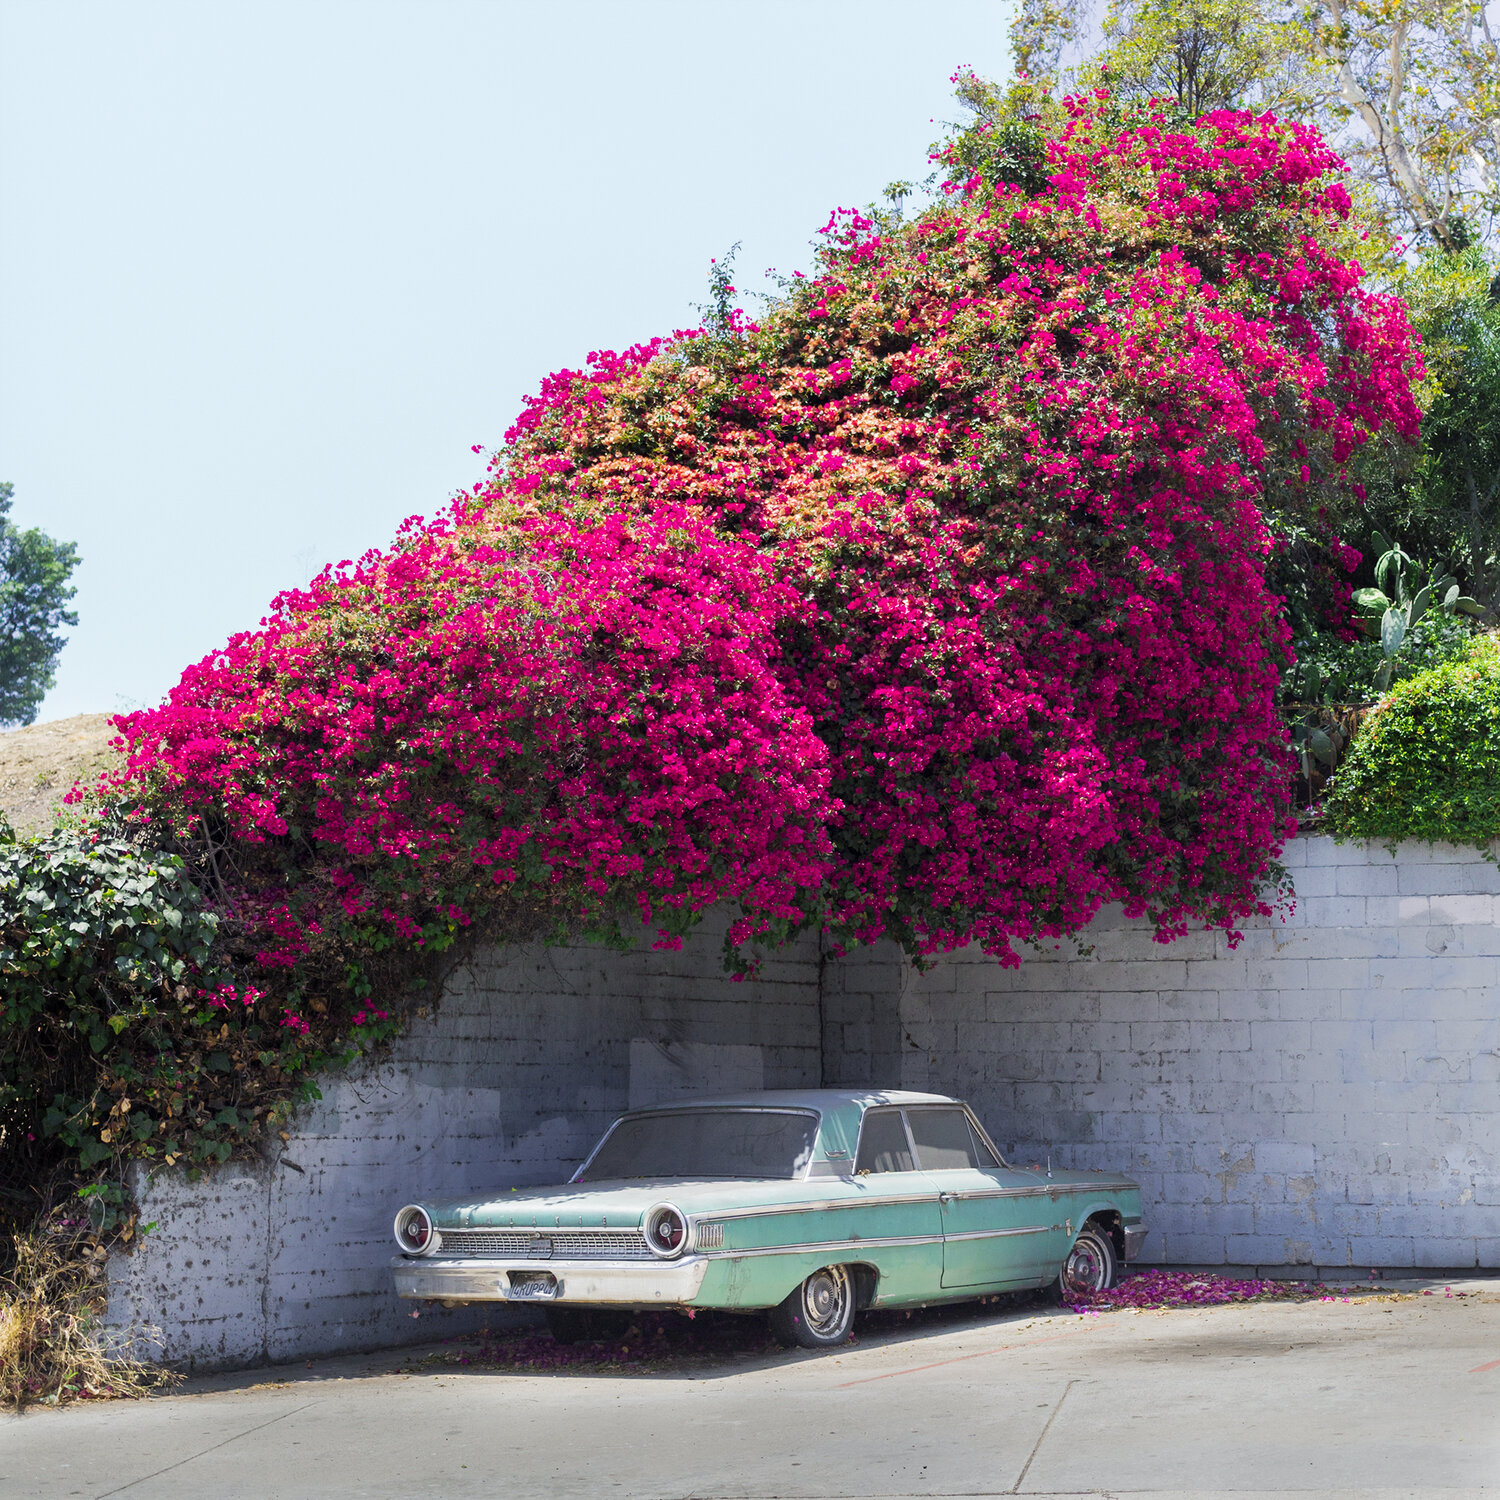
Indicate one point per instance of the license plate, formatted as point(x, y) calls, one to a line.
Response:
point(533, 1289)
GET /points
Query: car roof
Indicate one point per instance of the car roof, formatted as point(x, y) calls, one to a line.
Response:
point(818, 1099)
point(840, 1112)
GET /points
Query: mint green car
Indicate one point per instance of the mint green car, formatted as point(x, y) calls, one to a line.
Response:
point(807, 1205)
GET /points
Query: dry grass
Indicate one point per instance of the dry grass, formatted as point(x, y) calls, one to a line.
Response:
point(38, 764)
point(54, 1346)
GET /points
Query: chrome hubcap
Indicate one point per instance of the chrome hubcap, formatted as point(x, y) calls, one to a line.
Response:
point(1084, 1270)
point(825, 1297)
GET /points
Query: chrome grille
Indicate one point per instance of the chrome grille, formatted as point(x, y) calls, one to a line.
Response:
point(710, 1236)
point(557, 1244)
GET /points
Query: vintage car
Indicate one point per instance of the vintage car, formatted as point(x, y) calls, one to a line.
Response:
point(807, 1205)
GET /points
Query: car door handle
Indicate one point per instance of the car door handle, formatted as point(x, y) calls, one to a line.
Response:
point(946, 1197)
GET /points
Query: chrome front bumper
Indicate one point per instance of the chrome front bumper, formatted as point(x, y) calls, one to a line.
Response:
point(616, 1282)
point(1135, 1237)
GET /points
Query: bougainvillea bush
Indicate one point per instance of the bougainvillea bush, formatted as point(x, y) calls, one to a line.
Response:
point(931, 606)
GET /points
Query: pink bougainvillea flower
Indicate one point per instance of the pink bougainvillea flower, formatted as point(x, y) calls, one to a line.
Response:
point(932, 606)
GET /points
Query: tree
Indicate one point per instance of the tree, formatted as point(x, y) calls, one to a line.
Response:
point(1455, 302)
point(1407, 90)
point(1422, 80)
point(34, 593)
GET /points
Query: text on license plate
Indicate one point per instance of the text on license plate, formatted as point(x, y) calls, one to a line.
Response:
point(540, 1287)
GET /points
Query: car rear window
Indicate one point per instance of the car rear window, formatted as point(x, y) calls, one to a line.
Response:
point(883, 1145)
point(749, 1143)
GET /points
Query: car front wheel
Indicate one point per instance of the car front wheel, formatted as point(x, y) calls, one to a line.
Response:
point(820, 1313)
point(1089, 1268)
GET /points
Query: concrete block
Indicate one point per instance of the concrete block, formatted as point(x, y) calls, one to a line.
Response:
point(1286, 1157)
point(1159, 1036)
point(1250, 1004)
point(1366, 878)
point(1129, 1007)
point(1437, 1067)
point(1219, 1036)
point(1191, 1249)
point(1294, 856)
point(1473, 877)
point(1189, 1005)
point(1381, 1251)
point(1449, 1253)
point(1466, 909)
point(1258, 1249)
point(1331, 912)
point(1253, 1066)
point(1315, 881)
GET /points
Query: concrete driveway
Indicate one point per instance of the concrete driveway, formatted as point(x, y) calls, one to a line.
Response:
point(1371, 1397)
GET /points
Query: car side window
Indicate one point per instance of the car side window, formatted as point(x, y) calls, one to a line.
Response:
point(943, 1139)
point(987, 1158)
point(883, 1146)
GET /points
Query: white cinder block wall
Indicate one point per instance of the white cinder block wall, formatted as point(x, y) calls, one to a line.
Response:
point(1325, 1094)
point(531, 1054)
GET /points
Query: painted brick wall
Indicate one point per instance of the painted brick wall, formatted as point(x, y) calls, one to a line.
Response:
point(528, 1058)
point(1327, 1093)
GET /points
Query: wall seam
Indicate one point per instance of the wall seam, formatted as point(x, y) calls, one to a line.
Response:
point(822, 1012)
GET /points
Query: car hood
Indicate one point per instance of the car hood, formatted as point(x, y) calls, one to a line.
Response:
point(606, 1205)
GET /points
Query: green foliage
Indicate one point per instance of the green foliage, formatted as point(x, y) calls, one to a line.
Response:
point(34, 594)
point(1002, 143)
point(1331, 670)
point(1456, 300)
point(718, 312)
point(1426, 763)
point(117, 1038)
point(1401, 599)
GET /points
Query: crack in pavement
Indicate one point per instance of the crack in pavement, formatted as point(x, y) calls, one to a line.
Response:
point(212, 1448)
point(1037, 1448)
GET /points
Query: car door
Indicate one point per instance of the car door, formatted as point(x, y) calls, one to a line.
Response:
point(997, 1222)
point(898, 1208)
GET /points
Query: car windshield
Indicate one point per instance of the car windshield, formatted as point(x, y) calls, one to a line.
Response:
point(706, 1143)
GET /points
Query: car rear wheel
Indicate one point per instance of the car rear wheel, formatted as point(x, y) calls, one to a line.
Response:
point(820, 1313)
point(1090, 1266)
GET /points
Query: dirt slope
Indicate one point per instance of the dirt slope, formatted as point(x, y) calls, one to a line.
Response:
point(39, 763)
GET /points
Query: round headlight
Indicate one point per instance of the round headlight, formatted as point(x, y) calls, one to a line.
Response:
point(414, 1232)
point(666, 1230)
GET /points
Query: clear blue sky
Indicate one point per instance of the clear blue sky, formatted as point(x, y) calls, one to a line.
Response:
point(268, 270)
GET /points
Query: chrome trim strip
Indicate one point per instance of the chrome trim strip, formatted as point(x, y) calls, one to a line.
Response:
point(805, 1247)
point(819, 1205)
point(808, 1247)
point(995, 1234)
point(1040, 1192)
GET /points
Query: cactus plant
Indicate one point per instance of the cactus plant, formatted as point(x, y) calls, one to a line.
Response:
point(1400, 598)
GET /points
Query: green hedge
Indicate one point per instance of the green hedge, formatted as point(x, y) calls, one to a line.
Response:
point(1426, 763)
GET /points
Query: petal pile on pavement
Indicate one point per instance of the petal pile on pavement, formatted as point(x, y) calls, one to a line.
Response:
point(1156, 1289)
point(658, 1340)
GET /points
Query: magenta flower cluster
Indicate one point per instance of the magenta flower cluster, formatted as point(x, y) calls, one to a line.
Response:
point(930, 606)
